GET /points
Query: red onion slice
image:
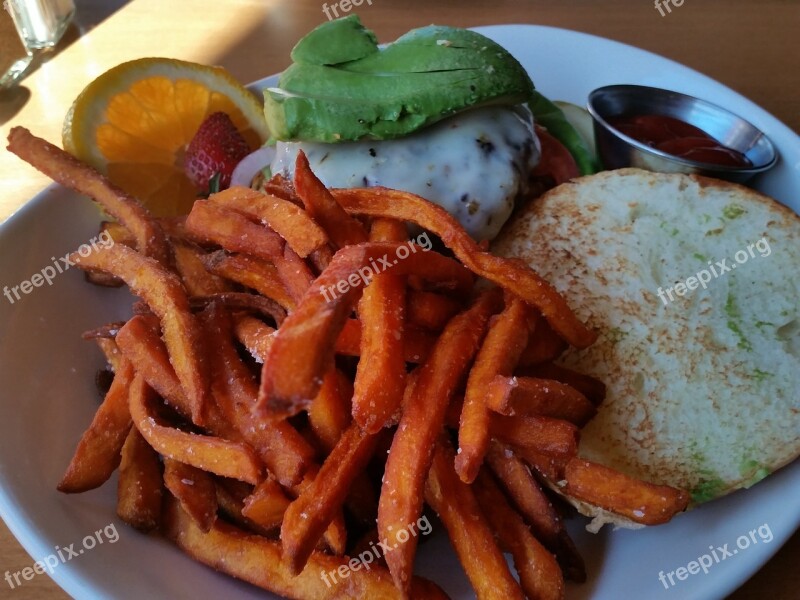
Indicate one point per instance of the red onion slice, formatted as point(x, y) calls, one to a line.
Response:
point(251, 164)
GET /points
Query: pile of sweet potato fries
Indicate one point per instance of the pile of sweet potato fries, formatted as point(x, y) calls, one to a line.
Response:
point(265, 428)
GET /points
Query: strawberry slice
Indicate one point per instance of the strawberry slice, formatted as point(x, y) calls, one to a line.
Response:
point(213, 153)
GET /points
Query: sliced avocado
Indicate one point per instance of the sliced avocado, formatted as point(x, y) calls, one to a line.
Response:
point(336, 42)
point(552, 118)
point(423, 77)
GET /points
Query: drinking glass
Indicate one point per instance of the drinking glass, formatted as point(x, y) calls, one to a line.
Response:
point(40, 25)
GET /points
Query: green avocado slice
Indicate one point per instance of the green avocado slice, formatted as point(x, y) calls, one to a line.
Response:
point(334, 92)
point(336, 42)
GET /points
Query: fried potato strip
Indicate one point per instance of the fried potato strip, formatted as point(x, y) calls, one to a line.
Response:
point(303, 349)
point(288, 220)
point(512, 275)
point(195, 490)
point(381, 374)
point(539, 574)
point(499, 353)
point(164, 294)
point(212, 454)
point(473, 540)
point(323, 207)
point(420, 424)
point(140, 486)
point(98, 453)
point(310, 514)
point(258, 561)
point(639, 501)
point(67, 170)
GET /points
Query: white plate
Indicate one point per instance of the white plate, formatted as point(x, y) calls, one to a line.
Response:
point(48, 394)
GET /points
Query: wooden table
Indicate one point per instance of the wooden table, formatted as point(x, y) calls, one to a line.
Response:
point(752, 47)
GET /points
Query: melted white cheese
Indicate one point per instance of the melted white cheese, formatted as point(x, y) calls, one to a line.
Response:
point(473, 164)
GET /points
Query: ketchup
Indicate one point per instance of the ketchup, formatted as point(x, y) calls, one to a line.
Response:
point(680, 139)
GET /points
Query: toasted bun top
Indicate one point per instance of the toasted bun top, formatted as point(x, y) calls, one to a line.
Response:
point(703, 388)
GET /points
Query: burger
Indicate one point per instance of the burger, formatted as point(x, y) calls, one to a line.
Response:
point(442, 112)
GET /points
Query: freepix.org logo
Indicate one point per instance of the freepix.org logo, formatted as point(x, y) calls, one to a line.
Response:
point(60, 265)
point(719, 268)
point(62, 555)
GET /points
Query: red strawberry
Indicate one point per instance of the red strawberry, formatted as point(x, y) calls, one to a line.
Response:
point(214, 152)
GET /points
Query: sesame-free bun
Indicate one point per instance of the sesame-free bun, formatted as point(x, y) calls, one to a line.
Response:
point(704, 388)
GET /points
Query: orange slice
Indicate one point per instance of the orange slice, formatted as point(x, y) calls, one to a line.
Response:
point(134, 122)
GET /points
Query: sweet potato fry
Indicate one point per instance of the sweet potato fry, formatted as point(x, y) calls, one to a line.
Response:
point(140, 342)
point(539, 573)
point(593, 389)
point(241, 301)
point(260, 275)
point(388, 230)
point(553, 437)
point(535, 507)
point(230, 500)
point(335, 536)
point(266, 505)
point(212, 454)
point(294, 273)
point(194, 489)
point(282, 449)
point(209, 223)
point(166, 297)
point(320, 259)
point(118, 232)
point(282, 187)
point(381, 374)
point(198, 281)
point(304, 346)
point(286, 219)
point(510, 274)
point(329, 413)
point(499, 353)
point(329, 416)
point(469, 532)
point(366, 543)
point(107, 331)
point(98, 453)
point(255, 335)
point(543, 397)
point(140, 486)
point(343, 229)
point(420, 424)
point(103, 279)
point(544, 345)
point(310, 514)
point(548, 468)
point(70, 172)
point(257, 560)
point(431, 311)
point(417, 344)
point(112, 353)
point(639, 501)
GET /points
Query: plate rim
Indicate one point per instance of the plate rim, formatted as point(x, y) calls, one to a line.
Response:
point(74, 581)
